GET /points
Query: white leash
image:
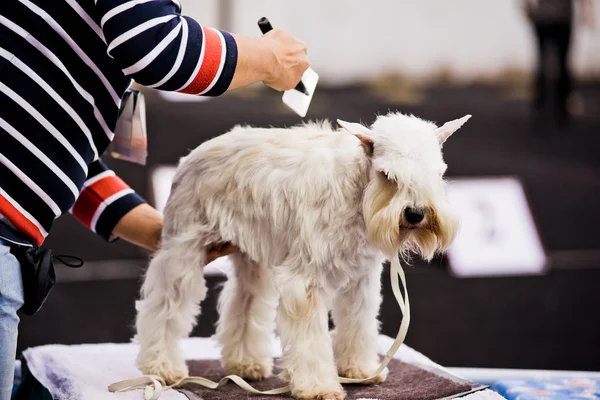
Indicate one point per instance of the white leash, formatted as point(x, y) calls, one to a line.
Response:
point(154, 385)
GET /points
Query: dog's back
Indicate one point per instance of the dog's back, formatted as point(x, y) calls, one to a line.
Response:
point(284, 187)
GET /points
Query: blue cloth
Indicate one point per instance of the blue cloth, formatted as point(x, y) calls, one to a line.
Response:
point(11, 300)
point(558, 389)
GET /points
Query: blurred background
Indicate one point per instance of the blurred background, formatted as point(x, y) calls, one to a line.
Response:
point(521, 288)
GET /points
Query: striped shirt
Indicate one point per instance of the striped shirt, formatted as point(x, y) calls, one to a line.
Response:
point(64, 68)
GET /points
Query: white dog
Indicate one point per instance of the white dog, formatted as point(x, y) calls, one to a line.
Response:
point(315, 212)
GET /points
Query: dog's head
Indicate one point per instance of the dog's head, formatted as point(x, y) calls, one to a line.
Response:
point(405, 203)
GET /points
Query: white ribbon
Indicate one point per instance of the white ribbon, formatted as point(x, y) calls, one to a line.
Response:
point(154, 385)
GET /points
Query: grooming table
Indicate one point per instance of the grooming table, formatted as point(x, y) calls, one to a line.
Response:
point(84, 372)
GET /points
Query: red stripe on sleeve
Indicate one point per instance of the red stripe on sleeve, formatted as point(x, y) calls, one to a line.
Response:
point(86, 205)
point(21, 222)
point(92, 196)
point(210, 64)
point(106, 187)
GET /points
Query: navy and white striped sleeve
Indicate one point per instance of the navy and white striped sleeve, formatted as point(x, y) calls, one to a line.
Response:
point(158, 47)
point(104, 200)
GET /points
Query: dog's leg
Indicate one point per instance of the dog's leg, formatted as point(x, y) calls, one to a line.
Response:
point(247, 307)
point(355, 338)
point(173, 288)
point(302, 325)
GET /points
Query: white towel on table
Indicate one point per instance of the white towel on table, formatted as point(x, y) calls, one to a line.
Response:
point(84, 371)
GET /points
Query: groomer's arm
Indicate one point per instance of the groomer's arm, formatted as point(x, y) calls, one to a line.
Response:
point(106, 199)
point(111, 209)
point(157, 46)
point(143, 226)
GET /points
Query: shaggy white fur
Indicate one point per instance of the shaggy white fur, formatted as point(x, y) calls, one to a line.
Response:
point(315, 212)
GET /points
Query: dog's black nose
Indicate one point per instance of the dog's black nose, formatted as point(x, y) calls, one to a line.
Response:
point(414, 215)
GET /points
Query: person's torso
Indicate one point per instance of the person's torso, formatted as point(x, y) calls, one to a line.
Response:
point(60, 95)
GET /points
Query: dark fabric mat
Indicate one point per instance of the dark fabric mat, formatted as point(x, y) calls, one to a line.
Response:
point(404, 382)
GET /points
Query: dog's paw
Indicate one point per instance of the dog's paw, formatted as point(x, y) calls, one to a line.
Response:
point(329, 393)
point(284, 375)
point(251, 371)
point(356, 372)
point(170, 373)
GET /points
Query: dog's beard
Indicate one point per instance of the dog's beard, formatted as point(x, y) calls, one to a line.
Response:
point(381, 231)
point(434, 237)
point(382, 208)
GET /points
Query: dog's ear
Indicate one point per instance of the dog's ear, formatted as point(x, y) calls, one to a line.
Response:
point(446, 130)
point(361, 132)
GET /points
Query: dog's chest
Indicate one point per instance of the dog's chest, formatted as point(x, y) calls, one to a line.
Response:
point(352, 266)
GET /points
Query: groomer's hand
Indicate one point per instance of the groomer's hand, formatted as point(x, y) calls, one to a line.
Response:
point(289, 60)
point(276, 58)
point(142, 226)
point(220, 250)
